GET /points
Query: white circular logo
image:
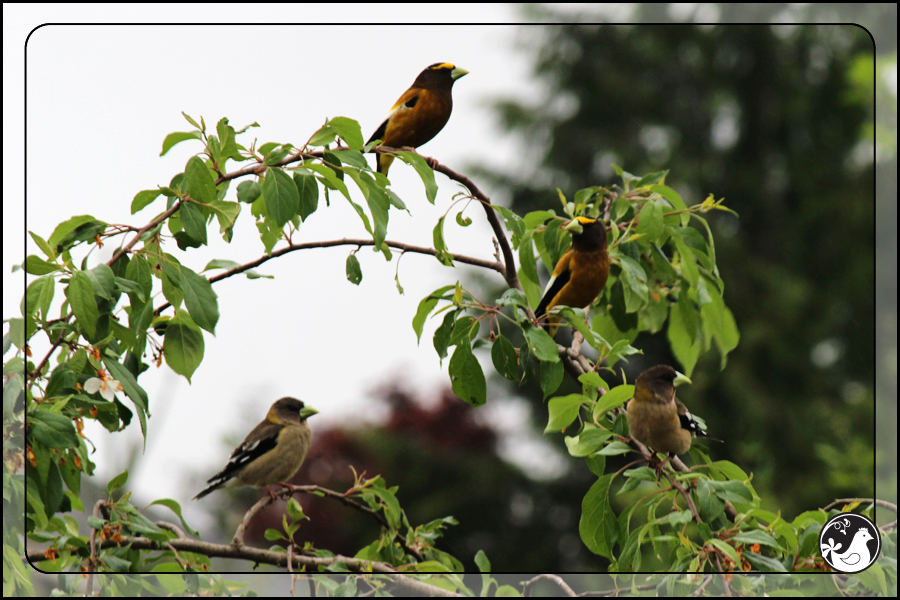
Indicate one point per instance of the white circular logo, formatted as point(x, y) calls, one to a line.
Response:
point(849, 543)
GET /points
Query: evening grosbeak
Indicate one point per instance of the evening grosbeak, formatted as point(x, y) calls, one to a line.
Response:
point(580, 274)
point(656, 418)
point(271, 453)
point(420, 113)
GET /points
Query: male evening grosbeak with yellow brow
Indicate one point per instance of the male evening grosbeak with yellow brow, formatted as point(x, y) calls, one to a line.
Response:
point(420, 113)
point(271, 453)
point(656, 418)
point(581, 272)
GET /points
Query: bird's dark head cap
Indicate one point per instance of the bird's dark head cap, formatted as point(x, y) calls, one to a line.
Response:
point(658, 373)
point(587, 233)
point(663, 373)
point(439, 75)
point(293, 406)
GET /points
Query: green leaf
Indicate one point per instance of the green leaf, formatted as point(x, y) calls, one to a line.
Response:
point(634, 281)
point(528, 275)
point(200, 299)
point(505, 359)
point(193, 221)
point(686, 258)
point(349, 131)
point(556, 242)
point(177, 137)
point(77, 229)
point(514, 223)
point(183, 346)
point(442, 334)
point(592, 382)
point(39, 296)
point(650, 221)
point(354, 273)
point(34, 265)
point(324, 136)
point(719, 324)
point(482, 562)
point(52, 429)
point(683, 333)
point(308, 189)
point(438, 238)
point(281, 196)
point(276, 154)
point(669, 194)
point(588, 441)
point(248, 191)
point(598, 526)
point(426, 305)
point(226, 213)
point(379, 204)
point(614, 398)
point(551, 376)
point(130, 386)
point(563, 410)
point(143, 199)
point(513, 297)
point(43, 245)
point(333, 162)
point(616, 448)
point(425, 173)
point(541, 343)
point(117, 482)
point(199, 180)
point(466, 376)
point(80, 293)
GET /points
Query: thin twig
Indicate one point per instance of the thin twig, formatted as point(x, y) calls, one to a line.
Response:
point(494, 266)
point(315, 490)
point(526, 590)
point(877, 502)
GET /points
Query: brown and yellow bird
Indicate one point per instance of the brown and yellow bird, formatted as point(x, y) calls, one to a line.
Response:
point(420, 113)
point(581, 272)
point(271, 453)
point(656, 418)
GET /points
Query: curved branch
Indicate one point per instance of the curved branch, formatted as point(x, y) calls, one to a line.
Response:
point(478, 262)
point(280, 559)
point(512, 279)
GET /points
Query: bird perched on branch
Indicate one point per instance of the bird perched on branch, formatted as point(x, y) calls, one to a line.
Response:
point(271, 453)
point(580, 274)
point(420, 113)
point(656, 418)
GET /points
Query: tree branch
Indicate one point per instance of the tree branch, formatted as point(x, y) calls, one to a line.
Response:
point(526, 590)
point(512, 279)
point(315, 490)
point(486, 264)
point(269, 557)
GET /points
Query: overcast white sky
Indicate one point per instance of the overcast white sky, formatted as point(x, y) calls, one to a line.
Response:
point(100, 100)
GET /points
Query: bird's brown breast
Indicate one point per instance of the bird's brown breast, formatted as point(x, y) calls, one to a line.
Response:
point(418, 125)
